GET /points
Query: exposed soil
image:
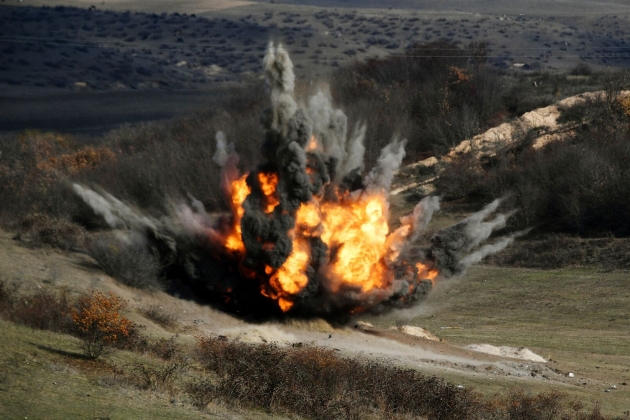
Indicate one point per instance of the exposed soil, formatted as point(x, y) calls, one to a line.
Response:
point(36, 268)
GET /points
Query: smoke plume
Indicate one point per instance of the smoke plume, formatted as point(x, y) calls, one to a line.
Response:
point(307, 233)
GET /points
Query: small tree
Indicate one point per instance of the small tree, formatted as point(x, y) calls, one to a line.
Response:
point(100, 323)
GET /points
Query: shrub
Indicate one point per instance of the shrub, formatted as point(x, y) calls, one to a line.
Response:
point(202, 392)
point(44, 309)
point(6, 298)
point(99, 322)
point(579, 185)
point(167, 348)
point(43, 230)
point(160, 316)
point(160, 377)
point(581, 69)
point(318, 384)
point(436, 95)
point(127, 260)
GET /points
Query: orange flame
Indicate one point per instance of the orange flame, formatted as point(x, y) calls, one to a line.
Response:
point(240, 191)
point(268, 184)
point(312, 144)
point(425, 272)
point(358, 229)
point(355, 229)
point(291, 278)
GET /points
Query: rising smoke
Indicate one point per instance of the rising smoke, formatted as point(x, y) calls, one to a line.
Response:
point(308, 233)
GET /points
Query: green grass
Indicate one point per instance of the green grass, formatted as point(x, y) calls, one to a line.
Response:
point(579, 318)
point(43, 376)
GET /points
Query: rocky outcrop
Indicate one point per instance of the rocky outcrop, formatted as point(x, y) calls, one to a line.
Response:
point(421, 175)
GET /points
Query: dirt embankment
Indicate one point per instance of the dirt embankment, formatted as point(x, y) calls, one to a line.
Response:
point(406, 345)
point(542, 123)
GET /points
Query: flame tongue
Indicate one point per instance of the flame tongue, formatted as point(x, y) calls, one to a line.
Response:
point(353, 229)
point(239, 192)
point(308, 231)
point(291, 278)
point(268, 183)
point(358, 231)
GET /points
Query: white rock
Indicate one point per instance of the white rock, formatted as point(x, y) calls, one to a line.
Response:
point(571, 375)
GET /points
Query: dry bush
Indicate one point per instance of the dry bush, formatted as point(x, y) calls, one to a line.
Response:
point(558, 251)
point(434, 95)
point(126, 259)
point(580, 185)
point(517, 404)
point(174, 159)
point(34, 170)
point(44, 230)
point(317, 383)
point(144, 164)
point(160, 377)
point(160, 316)
point(99, 322)
point(7, 297)
point(167, 348)
point(84, 158)
point(544, 406)
point(43, 309)
point(201, 392)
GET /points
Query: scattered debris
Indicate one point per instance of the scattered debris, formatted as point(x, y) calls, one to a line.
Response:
point(366, 326)
point(416, 332)
point(506, 351)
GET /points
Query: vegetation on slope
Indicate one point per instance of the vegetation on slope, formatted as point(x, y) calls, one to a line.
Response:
point(305, 380)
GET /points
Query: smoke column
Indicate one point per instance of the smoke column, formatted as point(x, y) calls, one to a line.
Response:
point(307, 234)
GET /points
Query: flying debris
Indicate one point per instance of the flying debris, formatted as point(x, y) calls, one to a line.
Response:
point(307, 234)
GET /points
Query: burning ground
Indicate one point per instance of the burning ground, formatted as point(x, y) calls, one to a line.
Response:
point(308, 230)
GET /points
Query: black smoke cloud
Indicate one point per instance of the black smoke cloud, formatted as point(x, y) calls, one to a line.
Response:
point(191, 244)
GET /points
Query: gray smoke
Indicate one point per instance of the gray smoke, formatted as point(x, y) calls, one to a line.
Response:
point(329, 126)
point(389, 161)
point(355, 152)
point(223, 151)
point(117, 214)
point(452, 246)
point(421, 216)
point(280, 82)
point(412, 225)
point(489, 249)
point(192, 245)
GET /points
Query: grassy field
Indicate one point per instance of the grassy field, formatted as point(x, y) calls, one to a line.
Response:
point(43, 375)
point(578, 319)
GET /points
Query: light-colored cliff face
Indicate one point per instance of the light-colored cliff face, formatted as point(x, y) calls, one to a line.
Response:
point(543, 120)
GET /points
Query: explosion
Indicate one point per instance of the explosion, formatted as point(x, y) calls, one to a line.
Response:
point(306, 233)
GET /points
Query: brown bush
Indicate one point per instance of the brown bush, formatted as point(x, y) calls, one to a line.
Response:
point(43, 230)
point(6, 299)
point(158, 377)
point(99, 322)
point(44, 309)
point(167, 348)
point(127, 260)
point(160, 316)
point(201, 392)
point(317, 383)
